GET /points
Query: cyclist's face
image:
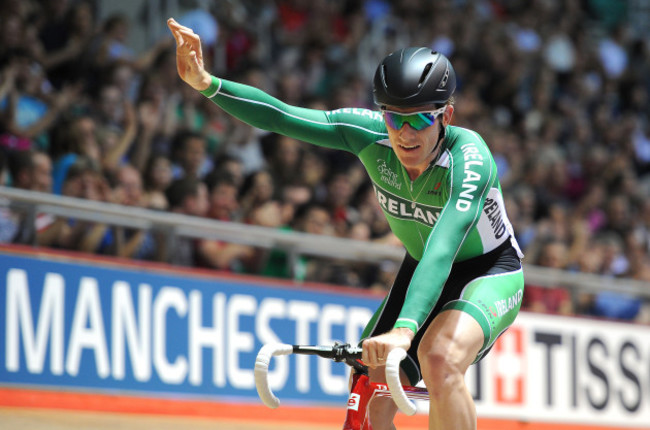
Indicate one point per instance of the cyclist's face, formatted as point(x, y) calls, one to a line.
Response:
point(415, 148)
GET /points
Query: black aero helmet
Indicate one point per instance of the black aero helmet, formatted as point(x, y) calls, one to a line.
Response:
point(413, 77)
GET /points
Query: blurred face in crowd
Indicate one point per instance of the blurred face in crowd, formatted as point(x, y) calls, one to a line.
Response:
point(129, 186)
point(360, 231)
point(110, 103)
point(198, 204)
point(29, 76)
point(293, 196)
point(42, 173)
point(82, 18)
point(313, 169)
point(236, 169)
point(317, 221)
point(268, 214)
point(160, 173)
point(83, 138)
point(296, 194)
point(108, 138)
point(86, 185)
point(123, 77)
point(193, 155)
point(262, 187)
point(154, 90)
point(223, 201)
point(288, 152)
point(11, 31)
point(84, 130)
point(119, 29)
point(339, 190)
point(554, 255)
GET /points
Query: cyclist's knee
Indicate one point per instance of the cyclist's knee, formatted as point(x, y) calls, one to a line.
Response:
point(446, 352)
point(443, 366)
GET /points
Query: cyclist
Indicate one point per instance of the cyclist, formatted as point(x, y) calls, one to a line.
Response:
point(461, 282)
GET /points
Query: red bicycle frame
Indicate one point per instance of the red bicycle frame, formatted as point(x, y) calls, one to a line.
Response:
point(361, 394)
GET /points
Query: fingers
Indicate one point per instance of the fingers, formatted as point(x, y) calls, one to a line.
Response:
point(182, 33)
point(173, 24)
point(374, 353)
point(189, 34)
point(174, 27)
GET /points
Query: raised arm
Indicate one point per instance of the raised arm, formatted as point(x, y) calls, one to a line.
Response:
point(346, 129)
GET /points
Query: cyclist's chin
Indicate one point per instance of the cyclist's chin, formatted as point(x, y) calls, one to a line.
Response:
point(411, 157)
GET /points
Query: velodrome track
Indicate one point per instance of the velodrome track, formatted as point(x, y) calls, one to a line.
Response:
point(52, 419)
point(37, 409)
point(43, 419)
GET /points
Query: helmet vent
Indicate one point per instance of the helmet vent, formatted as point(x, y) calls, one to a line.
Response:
point(425, 73)
point(445, 78)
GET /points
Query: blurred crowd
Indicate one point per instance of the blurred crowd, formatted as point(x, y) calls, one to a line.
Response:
point(559, 91)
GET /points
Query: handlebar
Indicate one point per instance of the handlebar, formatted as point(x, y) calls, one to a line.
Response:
point(339, 352)
point(262, 370)
point(393, 360)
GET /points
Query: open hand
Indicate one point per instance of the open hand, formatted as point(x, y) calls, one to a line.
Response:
point(189, 57)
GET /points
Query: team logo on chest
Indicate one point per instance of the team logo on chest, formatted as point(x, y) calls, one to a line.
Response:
point(387, 175)
point(405, 209)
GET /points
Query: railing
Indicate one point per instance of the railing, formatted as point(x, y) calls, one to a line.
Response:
point(294, 243)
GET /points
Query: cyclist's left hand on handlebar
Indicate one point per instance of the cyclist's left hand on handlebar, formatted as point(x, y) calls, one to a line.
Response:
point(376, 349)
point(189, 56)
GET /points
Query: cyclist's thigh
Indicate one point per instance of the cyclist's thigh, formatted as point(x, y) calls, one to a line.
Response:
point(457, 334)
point(493, 301)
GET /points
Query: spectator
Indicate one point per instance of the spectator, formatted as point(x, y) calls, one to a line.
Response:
point(187, 196)
point(309, 218)
point(292, 197)
point(111, 45)
point(612, 52)
point(285, 159)
point(339, 202)
point(190, 156)
point(132, 243)
point(257, 189)
point(28, 111)
point(84, 180)
point(9, 220)
point(157, 177)
point(232, 166)
point(613, 304)
point(115, 142)
point(224, 205)
point(66, 32)
point(32, 170)
point(555, 300)
point(74, 137)
point(244, 144)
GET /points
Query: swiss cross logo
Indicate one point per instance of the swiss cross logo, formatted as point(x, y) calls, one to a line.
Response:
point(353, 401)
point(509, 358)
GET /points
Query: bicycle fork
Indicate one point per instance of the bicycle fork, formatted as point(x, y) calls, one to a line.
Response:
point(361, 393)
